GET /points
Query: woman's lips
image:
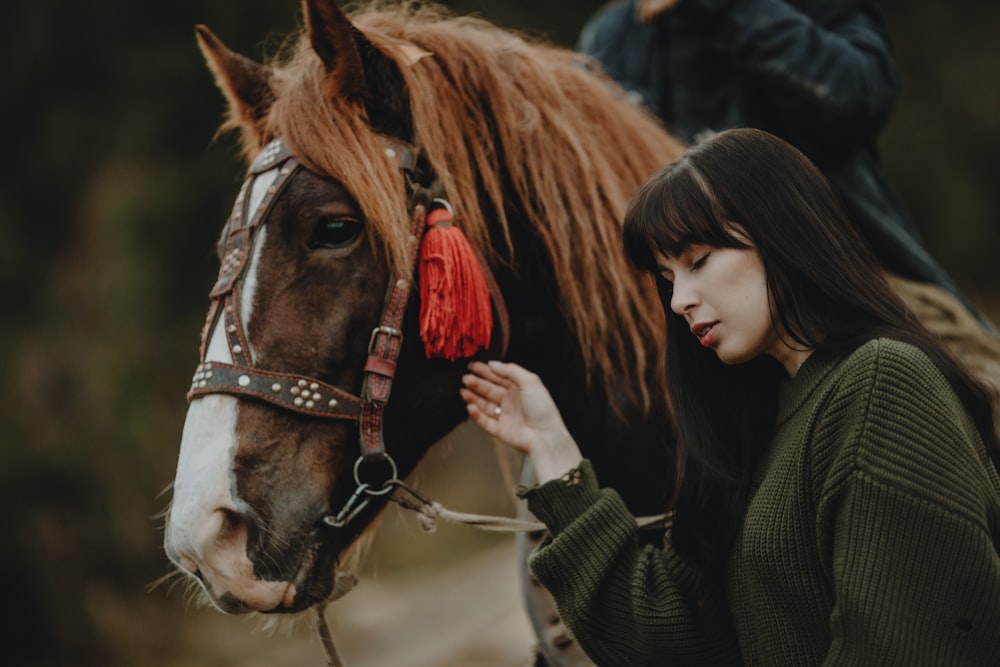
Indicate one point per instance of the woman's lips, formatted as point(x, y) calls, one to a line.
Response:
point(705, 332)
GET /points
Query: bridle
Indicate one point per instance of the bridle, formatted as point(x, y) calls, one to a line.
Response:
point(270, 173)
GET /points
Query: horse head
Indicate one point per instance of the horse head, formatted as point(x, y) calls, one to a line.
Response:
point(292, 432)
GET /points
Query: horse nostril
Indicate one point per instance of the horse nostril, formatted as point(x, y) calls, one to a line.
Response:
point(230, 520)
point(232, 528)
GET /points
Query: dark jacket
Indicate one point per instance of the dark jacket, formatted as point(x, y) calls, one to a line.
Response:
point(817, 73)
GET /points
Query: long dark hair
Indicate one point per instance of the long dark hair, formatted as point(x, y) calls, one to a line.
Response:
point(827, 291)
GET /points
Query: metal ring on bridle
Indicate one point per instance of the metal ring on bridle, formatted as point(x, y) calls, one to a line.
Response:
point(362, 494)
point(443, 203)
point(387, 486)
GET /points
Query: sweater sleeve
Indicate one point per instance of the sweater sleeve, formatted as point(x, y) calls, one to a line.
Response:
point(911, 506)
point(625, 604)
point(829, 63)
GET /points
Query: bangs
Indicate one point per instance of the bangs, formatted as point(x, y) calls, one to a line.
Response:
point(675, 209)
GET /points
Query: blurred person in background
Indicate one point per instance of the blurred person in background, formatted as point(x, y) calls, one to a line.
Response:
point(817, 73)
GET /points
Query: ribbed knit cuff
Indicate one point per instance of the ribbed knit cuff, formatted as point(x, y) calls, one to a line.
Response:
point(559, 502)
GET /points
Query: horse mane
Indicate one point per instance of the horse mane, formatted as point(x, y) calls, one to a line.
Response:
point(493, 109)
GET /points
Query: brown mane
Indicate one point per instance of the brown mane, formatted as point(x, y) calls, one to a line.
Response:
point(491, 105)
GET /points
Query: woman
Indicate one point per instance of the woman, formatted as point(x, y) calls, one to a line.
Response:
point(839, 504)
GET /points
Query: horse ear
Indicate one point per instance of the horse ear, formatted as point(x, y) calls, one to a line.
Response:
point(357, 69)
point(245, 83)
point(333, 39)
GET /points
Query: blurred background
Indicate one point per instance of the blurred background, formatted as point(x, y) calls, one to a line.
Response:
point(110, 202)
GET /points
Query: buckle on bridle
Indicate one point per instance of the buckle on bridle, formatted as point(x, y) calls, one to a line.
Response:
point(382, 329)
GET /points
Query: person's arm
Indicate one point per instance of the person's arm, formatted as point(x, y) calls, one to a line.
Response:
point(825, 69)
point(625, 604)
point(912, 511)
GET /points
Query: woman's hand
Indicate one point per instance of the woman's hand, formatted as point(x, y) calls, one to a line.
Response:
point(511, 404)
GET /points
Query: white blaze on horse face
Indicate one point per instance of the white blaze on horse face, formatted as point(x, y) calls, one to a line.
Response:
point(198, 536)
point(218, 346)
point(250, 286)
point(257, 192)
point(204, 481)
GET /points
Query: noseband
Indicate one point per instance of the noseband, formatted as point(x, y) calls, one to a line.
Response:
point(298, 393)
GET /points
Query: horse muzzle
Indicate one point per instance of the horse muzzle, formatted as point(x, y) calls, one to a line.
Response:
point(239, 580)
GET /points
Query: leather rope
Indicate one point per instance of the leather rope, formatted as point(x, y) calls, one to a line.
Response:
point(429, 511)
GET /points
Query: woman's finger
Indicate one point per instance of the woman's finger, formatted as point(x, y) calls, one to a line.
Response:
point(486, 406)
point(477, 417)
point(512, 373)
point(486, 372)
point(485, 388)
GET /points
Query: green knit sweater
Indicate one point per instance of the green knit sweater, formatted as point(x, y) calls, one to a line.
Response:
point(872, 539)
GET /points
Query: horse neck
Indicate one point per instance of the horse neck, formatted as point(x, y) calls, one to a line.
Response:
point(630, 446)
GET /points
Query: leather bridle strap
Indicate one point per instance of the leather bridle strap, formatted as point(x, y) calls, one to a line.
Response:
point(300, 393)
point(288, 390)
point(384, 347)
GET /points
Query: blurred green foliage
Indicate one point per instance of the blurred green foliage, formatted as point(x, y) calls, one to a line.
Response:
point(941, 146)
point(110, 203)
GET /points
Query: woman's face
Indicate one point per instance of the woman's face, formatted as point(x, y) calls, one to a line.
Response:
point(722, 294)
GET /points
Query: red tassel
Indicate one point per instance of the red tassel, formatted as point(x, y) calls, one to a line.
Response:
point(456, 315)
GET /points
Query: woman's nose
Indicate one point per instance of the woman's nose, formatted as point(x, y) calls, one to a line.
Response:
point(683, 298)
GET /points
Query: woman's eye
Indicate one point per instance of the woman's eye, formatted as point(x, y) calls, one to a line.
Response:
point(700, 262)
point(333, 232)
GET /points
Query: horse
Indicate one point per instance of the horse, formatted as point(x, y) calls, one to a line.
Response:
point(321, 382)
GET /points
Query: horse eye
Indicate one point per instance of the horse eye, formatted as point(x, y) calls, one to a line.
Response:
point(333, 232)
